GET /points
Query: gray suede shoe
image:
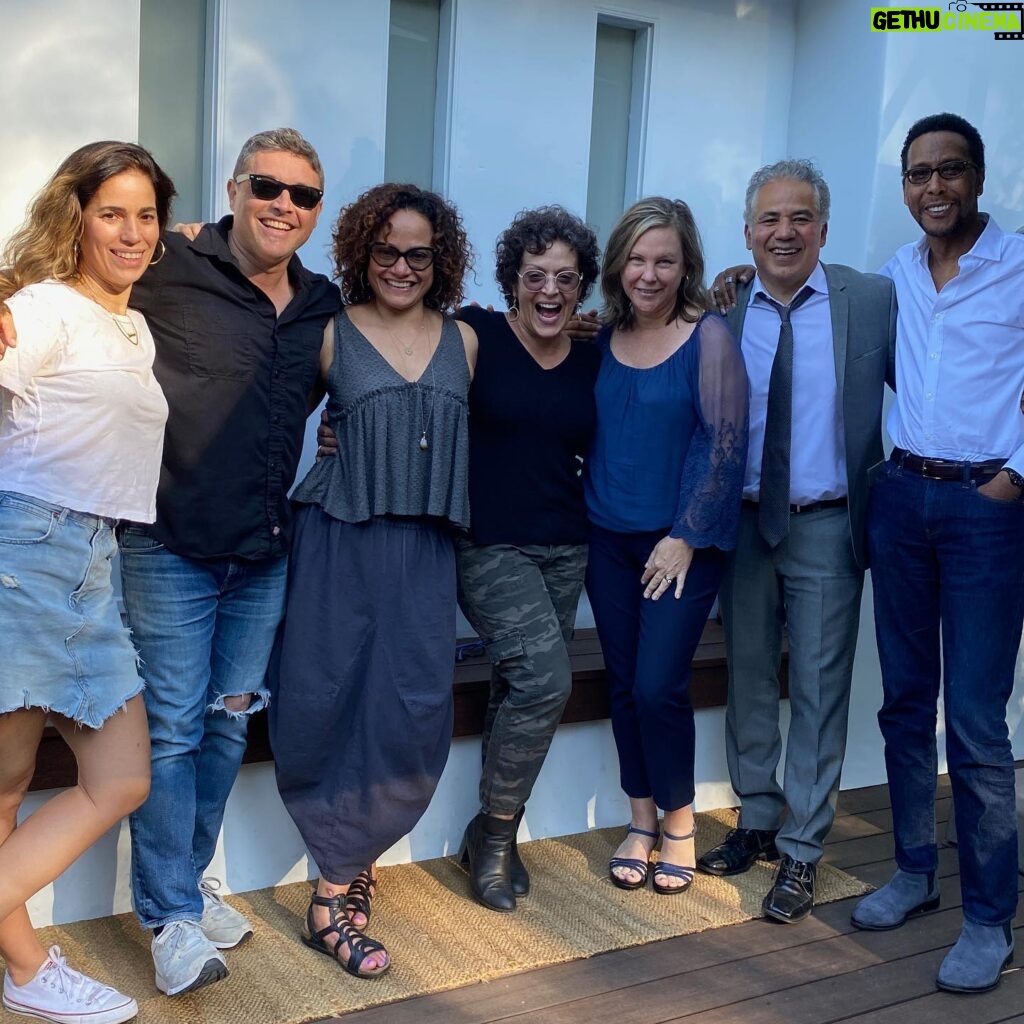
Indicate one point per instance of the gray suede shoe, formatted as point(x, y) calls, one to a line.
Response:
point(980, 956)
point(904, 895)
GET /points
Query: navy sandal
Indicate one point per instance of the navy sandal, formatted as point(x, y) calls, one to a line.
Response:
point(360, 945)
point(641, 867)
point(359, 898)
point(663, 867)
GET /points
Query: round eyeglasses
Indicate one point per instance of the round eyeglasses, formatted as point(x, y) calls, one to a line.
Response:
point(566, 281)
point(949, 170)
point(418, 258)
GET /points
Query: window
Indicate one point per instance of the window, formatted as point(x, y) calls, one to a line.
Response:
point(416, 130)
point(172, 96)
point(617, 123)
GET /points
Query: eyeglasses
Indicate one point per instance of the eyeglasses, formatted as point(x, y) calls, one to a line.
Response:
point(305, 197)
point(950, 170)
point(417, 258)
point(566, 281)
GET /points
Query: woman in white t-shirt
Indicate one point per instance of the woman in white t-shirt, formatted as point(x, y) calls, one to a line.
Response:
point(81, 434)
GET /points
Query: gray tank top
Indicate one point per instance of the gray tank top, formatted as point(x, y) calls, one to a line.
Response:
point(403, 447)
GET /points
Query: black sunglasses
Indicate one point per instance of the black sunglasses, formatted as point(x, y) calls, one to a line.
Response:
point(305, 197)
point(418, 258)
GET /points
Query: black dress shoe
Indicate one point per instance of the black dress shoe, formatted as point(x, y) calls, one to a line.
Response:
point(791, 898)
point(742, 846)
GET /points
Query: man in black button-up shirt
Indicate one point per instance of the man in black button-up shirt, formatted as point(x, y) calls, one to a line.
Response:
point(238, 324)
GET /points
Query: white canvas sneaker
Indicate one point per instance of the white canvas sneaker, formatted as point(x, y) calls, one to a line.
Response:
point(185, 959)
point(224, 926)
point(61, 994)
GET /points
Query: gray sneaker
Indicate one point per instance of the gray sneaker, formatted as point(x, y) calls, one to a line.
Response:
point(61, 994)
point(224, 926)
point(185, 959)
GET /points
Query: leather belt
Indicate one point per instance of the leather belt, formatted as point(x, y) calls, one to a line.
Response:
point(944, 469)
point(812, 506)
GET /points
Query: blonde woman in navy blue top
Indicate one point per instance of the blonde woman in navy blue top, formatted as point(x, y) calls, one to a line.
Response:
point(663, 488)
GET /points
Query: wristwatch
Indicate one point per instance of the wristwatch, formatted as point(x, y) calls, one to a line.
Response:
point(1015, 478)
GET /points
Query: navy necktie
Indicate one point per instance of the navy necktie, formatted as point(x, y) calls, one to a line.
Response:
point(773, 500)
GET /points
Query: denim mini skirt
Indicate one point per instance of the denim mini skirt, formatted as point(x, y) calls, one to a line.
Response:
point(63, 647)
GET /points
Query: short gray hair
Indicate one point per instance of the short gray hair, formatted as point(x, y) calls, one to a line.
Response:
point(799, 170)
point(278, 140)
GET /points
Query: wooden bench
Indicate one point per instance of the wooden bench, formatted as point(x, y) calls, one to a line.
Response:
point(55, 766)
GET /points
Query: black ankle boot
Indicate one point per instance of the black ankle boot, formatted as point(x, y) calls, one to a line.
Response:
point(486, 854)
point(517, 872)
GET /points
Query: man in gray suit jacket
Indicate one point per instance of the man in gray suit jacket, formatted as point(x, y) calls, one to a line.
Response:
point(818, 341)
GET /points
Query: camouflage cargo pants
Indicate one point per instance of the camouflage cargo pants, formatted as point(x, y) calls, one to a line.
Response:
point(522, 601)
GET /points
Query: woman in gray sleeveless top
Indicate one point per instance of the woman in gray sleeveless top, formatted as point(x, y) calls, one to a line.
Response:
point(361, 715)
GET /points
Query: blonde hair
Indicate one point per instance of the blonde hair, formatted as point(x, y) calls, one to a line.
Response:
point(641, 217)
point(46, 244)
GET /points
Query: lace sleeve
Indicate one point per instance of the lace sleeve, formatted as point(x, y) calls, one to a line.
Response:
point(712, 482)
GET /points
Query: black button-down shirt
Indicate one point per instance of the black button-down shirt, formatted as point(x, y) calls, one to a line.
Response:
point(237, 379)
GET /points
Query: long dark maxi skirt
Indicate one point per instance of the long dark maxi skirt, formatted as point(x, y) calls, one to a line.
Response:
point(361, 683)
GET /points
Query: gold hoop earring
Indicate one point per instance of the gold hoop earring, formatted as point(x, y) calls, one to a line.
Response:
point(513, 308)
point(163, 253)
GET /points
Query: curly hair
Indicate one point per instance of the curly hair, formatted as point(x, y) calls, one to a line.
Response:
point(535, 231)
point(641, 217)
point(46, 245)
point(361, 223)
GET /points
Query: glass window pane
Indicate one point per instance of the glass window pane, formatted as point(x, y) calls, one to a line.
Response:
point(610, 127)
point(412, 91)
point(172, 90)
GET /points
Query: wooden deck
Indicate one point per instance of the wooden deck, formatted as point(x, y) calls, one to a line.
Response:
point(817, 972)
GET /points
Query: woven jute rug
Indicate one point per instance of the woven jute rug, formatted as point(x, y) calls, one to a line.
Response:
point(437, 937)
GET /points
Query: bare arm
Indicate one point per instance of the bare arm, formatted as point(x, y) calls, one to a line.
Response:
point(316, 395)
point(471, 343)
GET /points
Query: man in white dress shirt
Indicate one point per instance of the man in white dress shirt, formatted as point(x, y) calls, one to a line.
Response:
point(946, 542)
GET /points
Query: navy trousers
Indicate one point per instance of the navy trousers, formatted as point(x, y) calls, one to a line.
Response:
point(648, 649)
point(948, 571)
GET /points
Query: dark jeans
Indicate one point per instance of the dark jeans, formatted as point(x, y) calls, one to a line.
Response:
point(648, 649)
point(948, 569)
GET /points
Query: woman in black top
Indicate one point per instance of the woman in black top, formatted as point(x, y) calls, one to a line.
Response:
point(520, 570)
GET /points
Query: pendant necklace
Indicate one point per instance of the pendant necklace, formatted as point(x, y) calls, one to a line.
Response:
point(424, 443)
point(122, 321)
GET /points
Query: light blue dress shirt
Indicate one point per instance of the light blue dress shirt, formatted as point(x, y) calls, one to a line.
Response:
point(817, 469)
point(960, 353)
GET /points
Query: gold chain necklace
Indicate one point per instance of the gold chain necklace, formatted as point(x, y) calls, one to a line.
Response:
point(407, 349)
point(122, 321)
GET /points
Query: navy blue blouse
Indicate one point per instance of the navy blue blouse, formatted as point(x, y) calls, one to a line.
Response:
point(671, 441)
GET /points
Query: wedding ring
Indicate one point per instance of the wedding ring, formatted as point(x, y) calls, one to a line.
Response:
point(729, 280)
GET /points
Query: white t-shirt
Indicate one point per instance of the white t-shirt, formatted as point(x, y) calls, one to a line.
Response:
point(81, 414)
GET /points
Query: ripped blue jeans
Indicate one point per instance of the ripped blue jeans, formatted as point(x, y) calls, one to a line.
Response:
point(204, 630)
